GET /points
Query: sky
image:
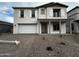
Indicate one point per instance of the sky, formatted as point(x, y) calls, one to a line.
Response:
point(6, 11)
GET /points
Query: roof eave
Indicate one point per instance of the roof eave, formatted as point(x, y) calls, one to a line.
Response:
point(44, 5)
point(53, 5)
point(73, 9)
point(62, 4)
point(23, 7)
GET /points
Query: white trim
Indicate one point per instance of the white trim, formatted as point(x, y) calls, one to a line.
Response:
point(12, 42)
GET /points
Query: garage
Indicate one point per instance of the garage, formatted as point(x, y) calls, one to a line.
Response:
point(27, 28)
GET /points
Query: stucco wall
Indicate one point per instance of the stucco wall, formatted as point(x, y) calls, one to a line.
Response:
point(74, 14)
point(27, 16)
point(63, 29)
point(26, 20)
point(49, 13)
point(29, 20)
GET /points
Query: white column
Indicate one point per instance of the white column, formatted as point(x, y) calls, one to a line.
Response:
point(77, 27)
point(49, 28)
point(60, 26)
point(70, 28)
point(39, 28)
point(15, 28)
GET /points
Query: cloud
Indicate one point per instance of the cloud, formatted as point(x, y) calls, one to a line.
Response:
point(6, 11)
point(71, 5)
point(34, 4)
point(9, 19)
point(22, 4)
point(27, 4)
point(6, 18)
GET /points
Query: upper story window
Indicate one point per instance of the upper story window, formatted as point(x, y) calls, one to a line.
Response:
point(33, 13)
point(22, 13)
point(42, 11)
point(56, 13)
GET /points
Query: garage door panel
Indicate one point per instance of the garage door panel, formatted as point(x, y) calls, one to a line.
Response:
point(27, 28)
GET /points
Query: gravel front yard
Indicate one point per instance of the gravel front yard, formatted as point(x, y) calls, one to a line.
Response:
point(40, 45)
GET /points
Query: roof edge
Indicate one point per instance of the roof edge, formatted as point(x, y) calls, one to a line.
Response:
point(73, 9)
point(62, 4)
point(23, 7)
point(53, 4)
point(40, 6)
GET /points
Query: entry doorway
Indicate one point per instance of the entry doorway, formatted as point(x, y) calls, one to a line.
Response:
point(44, 27)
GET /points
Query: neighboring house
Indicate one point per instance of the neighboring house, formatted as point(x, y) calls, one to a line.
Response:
point(45, 19)
point(5, 27)
point(73, 17)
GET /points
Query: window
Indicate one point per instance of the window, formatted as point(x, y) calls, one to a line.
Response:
point(72, 26)
point(33, 13)
point(22, 13)
point(78, 25)
point(42, 11)
point(56, 26)
point(56, 13)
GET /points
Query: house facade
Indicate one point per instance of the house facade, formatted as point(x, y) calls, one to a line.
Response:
point(73, 17)
point(45, 19)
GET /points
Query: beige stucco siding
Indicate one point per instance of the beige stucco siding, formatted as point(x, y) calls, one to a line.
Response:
point(49, 13)
point(29, 20)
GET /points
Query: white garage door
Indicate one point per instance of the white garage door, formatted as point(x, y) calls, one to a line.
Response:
point(27, 28)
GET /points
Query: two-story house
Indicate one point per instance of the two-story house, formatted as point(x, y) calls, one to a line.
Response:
point(45, 19)
point(73, 17)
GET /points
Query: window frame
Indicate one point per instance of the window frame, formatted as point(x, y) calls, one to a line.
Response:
point(21, 13)
point(33, 11)
point(57, 13)
point(42, 11)
point(72, 26)
point(56, 26)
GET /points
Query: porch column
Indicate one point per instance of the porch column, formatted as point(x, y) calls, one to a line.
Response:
point(49, 27)
point(60, 26)
point(39, 28)
point(17, 28)
point(70, 28)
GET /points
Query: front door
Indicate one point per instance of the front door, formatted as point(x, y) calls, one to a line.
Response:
point(44, 27)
